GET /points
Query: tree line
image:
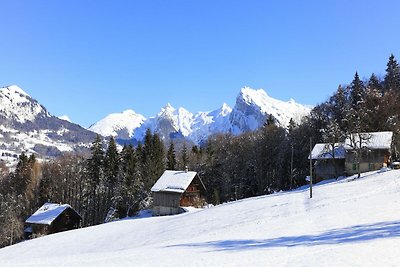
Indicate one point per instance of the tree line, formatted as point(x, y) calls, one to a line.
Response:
point(116, 184)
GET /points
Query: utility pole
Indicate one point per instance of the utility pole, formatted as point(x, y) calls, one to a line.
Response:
point(291, 170)
point(12, 232)
point(310, 167)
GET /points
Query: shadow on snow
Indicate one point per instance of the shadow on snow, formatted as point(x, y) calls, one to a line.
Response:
point(358, 233)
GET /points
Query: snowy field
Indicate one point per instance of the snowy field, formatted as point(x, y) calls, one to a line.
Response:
point(347, 223)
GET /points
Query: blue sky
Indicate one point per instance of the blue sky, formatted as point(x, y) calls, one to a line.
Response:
point(87, 59)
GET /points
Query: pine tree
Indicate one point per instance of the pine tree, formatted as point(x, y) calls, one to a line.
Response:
point(357, 93)
point(111, 171)
point(340, 107)
point(270, 120)
point(171, 158)
point(375, 83)
point(131, 187)
point(22, 175)
point(392, 77)
point(95, 175)
point(292, 125)
point(152, 159)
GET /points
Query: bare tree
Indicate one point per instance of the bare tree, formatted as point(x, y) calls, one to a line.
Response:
point(358, 142)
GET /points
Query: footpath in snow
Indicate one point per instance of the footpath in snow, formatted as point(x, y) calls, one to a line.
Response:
point(350, 222)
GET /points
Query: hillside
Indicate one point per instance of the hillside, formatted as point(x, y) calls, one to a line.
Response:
point(347, 223)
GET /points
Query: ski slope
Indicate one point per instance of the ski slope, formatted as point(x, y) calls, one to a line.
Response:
point(350, 222)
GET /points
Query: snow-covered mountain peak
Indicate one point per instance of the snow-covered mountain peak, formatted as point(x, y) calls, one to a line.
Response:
point(254, 106)
point(252, 95)
point(14, 89)
point(225, 109)
point(130, 112)
point(167, 109)
point(17, 105)
point(121, 124)
point(15, 93)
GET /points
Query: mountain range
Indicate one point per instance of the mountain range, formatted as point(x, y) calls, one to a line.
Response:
point(250, 111)
point(26, 125)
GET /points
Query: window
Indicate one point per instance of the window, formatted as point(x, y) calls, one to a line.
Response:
point(354, 166)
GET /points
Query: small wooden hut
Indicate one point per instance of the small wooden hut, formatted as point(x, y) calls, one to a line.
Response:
point(177, 189)
point(51, 218)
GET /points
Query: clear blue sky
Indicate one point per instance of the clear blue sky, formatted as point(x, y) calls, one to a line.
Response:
point(87, 59)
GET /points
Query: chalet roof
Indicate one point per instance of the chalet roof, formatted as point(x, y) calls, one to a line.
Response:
point(373, 140)
point(324, 151)
point(174, 181)
point(47, 213)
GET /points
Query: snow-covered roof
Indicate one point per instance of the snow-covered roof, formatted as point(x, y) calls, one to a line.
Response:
point(47, 213)
point(373, 140)
point(324, 151)
point(174, 181)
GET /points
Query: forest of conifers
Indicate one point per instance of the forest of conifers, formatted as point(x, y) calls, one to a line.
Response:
point(114, 184)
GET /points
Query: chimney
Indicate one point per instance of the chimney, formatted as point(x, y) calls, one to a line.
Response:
point(186, 169)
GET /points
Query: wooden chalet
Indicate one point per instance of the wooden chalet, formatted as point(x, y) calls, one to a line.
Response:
point(375, 150)
point(177, 189)
point(51, 218)
point(329, 161)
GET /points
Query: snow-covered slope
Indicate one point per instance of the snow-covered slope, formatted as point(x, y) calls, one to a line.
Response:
point(251, 109)
point(121, 125)
point(208, 123)
point(26, 126)
point(346, 223)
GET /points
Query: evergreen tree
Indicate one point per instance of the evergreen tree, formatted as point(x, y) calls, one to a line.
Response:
point(153, 159)
point(340, 107)
point(22, 175)
point(392, 77)
point(171, 158)
point(270, 120)
point(375, 84)
point(357, 116)
point(292, 125)
point(131, 187)
point(357, 93)
point(111, 171)
point(95, 175)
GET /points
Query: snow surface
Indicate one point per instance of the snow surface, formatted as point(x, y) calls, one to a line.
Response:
point(47, 213)
point(374, 140)
point(65, 118)
point(324, 151)
point(174, 181)
point(350, 222)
